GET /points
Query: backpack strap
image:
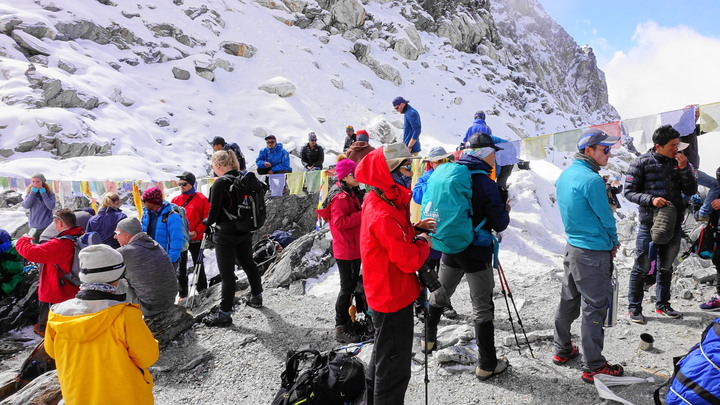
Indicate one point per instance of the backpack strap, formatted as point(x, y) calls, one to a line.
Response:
point(188, 200)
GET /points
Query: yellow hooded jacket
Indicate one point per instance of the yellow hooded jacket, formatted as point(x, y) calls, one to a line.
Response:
point(101, 356)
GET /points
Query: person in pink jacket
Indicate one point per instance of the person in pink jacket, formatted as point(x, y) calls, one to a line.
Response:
point(342, 211)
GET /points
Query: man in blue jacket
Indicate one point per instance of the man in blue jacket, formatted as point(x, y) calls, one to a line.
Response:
point(411, 126)
point(273, 159)
point(654, 180)
point(592, 242)
point(505, 159)
point(162, 224)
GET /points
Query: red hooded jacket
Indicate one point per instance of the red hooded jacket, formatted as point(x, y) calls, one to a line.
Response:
point(53, 252)
point(388, 249)
point(196, 210)
point(343, 214)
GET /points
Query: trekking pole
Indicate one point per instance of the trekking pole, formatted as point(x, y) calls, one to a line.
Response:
point(426, 310)
point(501, 274)
point(507, 305)
point(196, 273)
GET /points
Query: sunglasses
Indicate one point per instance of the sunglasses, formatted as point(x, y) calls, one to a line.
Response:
point(606, 149)
point(270, 142)
point(183, 184)
point(117, 232)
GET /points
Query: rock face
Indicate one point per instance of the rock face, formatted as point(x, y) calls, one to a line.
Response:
point(20, 308)
point(292, 213)
point(307, 256)
point(166, 325)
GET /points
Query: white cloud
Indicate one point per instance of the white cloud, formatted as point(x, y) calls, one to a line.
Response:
point(666, 69)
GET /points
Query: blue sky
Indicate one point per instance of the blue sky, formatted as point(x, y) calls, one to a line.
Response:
point(657, 55)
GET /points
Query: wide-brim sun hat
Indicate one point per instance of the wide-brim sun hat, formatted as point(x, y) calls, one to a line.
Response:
point(396, 153)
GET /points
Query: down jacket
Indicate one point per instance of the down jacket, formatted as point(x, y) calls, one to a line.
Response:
point(60, 252)
point(653, 175)
point(312, 156)
point(195, 211)
point(343, 214)
point(102, 349)
point(278, 157)
point(104, 223)
point(389, 251)
point(169, 235)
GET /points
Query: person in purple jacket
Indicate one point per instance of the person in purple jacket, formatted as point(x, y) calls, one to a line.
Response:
point(107, 218)
point(40, 201)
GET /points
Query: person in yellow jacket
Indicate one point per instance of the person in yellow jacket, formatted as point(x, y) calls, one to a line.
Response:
point(101, 345)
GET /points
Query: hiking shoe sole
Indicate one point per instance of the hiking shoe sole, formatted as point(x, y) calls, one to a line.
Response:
point(501, 367)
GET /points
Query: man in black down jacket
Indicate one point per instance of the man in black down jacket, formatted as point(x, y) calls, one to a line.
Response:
point(655, 179)
point(312, 154)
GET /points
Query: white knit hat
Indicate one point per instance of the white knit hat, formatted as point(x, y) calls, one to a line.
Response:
point(100, 264)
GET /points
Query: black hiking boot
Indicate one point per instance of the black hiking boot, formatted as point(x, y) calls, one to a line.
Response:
point(428, 343)
point(346, 334)
point(218, 318)
point(254, 301)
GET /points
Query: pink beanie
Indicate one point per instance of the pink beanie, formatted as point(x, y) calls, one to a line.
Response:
point(345, 167)
point(153, 195)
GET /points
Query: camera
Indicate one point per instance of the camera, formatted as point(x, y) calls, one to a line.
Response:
point(429, 278)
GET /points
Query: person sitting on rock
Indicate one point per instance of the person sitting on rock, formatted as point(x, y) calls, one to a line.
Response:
point(360, 148)
point(149, 273)
point(342, 211)
point(40, 201)
point(350, 137)
point(312, 154)
point(107, 218)
point(11, 265)
point(56, 259)
point(273, 159)
point(101, 346)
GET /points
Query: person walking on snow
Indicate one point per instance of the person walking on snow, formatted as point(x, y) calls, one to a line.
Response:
point(411, 127)
point(592, 243)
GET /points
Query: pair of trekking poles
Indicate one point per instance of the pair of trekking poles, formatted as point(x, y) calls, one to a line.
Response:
point(192, 290)
point(507, 293)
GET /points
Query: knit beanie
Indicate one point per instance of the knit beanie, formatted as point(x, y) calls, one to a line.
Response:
point(153, 195)
point(345, 167)
point(100, 264)
point(39, 176)
point(362, 136)
point(130, 226)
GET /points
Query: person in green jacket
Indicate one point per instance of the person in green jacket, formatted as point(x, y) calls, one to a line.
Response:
point(11, 265)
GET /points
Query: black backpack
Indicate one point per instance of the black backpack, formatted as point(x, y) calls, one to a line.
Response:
point(248, 195)
point(240, 157)
point(330, 378)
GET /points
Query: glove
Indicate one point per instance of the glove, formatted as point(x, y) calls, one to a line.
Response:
point(34, 190)
point(43, 191)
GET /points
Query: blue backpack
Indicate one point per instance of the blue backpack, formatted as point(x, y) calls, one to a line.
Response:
point(697, 375)
point(448, 199)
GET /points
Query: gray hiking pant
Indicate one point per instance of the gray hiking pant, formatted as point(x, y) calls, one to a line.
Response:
point(586, 286)
point(481, 285)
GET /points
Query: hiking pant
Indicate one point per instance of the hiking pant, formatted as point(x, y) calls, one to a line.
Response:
point(228, 248)
point(703, 179)
point(481, 285)
point(586, 286)
point(666, 255)
point(388, 372)
point(201, 281)
point(503, 175)
point(349, 271)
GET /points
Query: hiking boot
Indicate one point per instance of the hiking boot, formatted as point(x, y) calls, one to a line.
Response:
point(560, 359)
point(38, 331)
point(218, 318)
point(346, 334)
point(614, 370)
point(449, 312)
point(703, 218)
point(636, 316)
point(427, 347)
point(712, 305)
point(668, 311)
point(254, 301)
point(502, 365)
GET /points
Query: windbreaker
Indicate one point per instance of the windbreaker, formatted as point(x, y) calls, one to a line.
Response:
point(60, 252)
point(168, 235)
point(41, 206)
point(104, 223)
point(102, 350)
point(277, 156)
point(343, 214)
point(584, 208)
point(412, 128)
point(388, 249)
point(195, 211)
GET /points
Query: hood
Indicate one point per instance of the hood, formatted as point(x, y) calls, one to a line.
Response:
point(474, 162)
point(165, 207)
point(74, 231)
point(143, 240)
point(374, 171)
point(84, 326)
point(359, 145)
point(278, 147)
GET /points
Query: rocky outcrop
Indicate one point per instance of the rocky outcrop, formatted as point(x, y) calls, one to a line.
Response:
point(167, 325)
point(298, 215)
point(43, 390)
point(361, 50)
point(239, 49)
point(308, 256)
point(280, 86)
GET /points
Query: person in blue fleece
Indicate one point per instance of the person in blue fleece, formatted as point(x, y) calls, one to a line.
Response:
point(273, 159)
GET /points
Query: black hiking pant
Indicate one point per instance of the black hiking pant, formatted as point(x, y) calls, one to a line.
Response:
point(228, 248)
point(388, 373)
point(349, 272)
point(182, 273)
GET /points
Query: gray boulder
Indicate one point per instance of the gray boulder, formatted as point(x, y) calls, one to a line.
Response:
point(292, 213)
point(43, 390)
point(10, 198)
point(180, 74)
point(347, 14)
point(280, 86)
point(168, 324)
point(307, 256)
point(29, 45)
point(239, 49)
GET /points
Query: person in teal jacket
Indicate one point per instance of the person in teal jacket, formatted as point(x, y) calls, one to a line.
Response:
point(273, 159)
point(163, 225)
point(592, 242)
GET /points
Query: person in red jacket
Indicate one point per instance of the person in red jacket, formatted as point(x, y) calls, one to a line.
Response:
point(342, 211)
point(196, 207)
point(391, 252)
point(54, 256)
